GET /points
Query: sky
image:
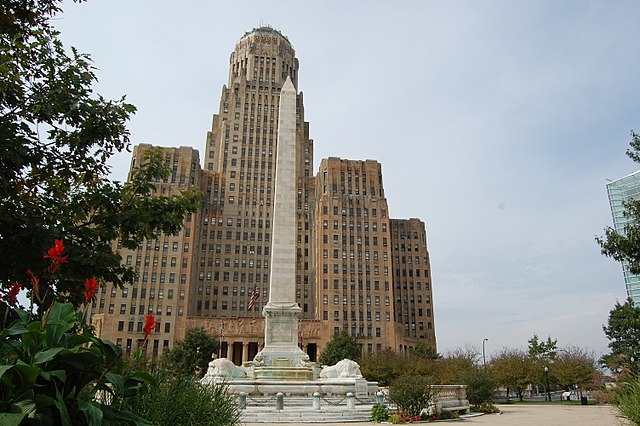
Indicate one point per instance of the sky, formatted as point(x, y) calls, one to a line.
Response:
point(497, 123)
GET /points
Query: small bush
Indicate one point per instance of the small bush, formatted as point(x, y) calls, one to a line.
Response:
point(445, 415)
point(379, 413)
point(627, 399)
point(396, 419)
point(411, 394)
point(181, 401)
point(487, 408)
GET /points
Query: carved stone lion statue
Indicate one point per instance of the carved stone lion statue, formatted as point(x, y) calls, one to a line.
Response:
point(223, 367)
point(344, 368)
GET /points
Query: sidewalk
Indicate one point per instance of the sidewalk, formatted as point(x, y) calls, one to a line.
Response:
point(525, 415)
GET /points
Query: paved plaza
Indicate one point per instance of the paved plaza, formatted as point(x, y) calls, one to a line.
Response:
point(514, 414)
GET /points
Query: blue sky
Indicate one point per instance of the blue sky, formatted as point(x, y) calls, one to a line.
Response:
point(506, 118)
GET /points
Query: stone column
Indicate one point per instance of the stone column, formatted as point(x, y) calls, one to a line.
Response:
point(230, 351)
point(282, 311)
point(245, 351)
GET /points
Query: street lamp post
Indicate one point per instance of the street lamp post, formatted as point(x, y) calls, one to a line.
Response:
point(484, 358)
point(546, 377)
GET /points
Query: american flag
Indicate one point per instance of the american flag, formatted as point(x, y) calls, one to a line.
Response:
point(222, 332)
point(252, 300)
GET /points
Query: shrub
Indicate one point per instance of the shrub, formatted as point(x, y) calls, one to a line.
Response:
point(480, 387)
point(396, 419)
point(54, 371)
point(445, 415)
point(487, 408)
point(627, 399)
point(379, 413)
point(180, 400)
point(411, 394)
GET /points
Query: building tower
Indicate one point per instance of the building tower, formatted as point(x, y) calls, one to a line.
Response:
point(234, 243)
point(163, 266)
point(412, 298)
point(356, 270)
point(354, 290)
point(620, 190)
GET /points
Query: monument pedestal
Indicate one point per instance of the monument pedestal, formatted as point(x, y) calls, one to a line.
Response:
point(281, 340)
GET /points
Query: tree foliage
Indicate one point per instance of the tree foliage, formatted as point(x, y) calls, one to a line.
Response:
point(191, 353)
point(575, 366)
point(623, 332)
point(56, 137)
point(514, 370)
point(340, 346)
point(423, 351)
point(542, 350)
point(481, 386)
point(625, 246)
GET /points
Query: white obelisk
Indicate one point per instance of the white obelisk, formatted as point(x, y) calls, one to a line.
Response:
point(282, 311)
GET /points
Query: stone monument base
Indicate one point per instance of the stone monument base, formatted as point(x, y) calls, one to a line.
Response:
point(360, 387)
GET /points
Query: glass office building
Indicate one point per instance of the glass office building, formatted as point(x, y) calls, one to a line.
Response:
point(620, 190)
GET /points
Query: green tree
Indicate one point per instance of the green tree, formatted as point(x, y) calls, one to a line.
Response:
point(544, 350)
point(480, 386)
point(623, 332)
point(340, 346)
point(455, 365)
point(56, 136)
point(625, 246)
point(423, 351)
point(193, 352)
point(575, 366)
point(514, 370)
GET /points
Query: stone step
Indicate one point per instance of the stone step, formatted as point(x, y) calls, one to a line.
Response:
point(325, 414)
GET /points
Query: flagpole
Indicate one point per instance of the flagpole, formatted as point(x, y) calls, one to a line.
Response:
point(221, 336)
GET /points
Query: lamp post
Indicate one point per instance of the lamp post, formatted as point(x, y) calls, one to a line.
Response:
point(484, 358)
point(546, 377)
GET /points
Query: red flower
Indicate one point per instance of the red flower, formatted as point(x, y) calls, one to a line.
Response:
point(12, 295)
point(90, 288)
point(149, 325)
point(56, 254)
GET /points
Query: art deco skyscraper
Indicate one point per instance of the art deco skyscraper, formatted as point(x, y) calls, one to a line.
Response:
point(353, 261)
point(163, 266)
point(356, 270)
point(412, 295)
point(233, 247)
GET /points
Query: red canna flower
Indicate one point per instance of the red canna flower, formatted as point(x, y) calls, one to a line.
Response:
point(149, 325)
point(56, 254)
point(90, 288)
point(12, 295)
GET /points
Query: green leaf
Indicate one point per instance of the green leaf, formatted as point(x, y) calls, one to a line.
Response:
point(11, 419)
point(62, 408)
point(92, 412)
point(26, 374)
point(4, 368)
point(47, 355)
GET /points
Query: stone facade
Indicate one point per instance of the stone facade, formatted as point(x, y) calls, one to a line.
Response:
point(206, 274)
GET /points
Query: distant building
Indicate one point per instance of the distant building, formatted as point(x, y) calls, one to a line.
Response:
point(346, 277)
point(620, 190)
